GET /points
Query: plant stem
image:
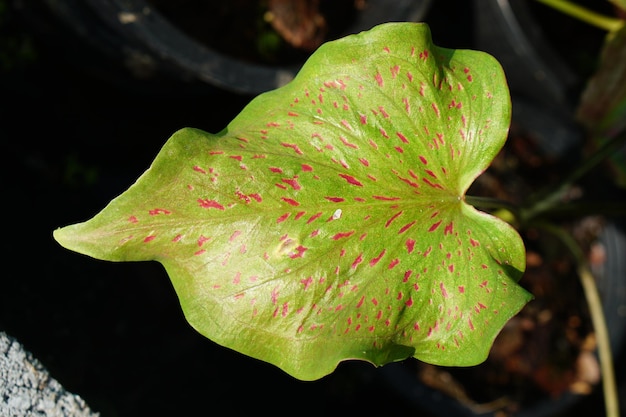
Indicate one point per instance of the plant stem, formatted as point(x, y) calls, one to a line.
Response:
point(581, 13)
point(597, 318)
point(550, 198)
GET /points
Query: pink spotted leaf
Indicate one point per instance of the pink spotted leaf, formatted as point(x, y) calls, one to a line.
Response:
point(327, 222)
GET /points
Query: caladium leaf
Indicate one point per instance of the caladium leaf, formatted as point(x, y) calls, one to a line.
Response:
point(327, 221)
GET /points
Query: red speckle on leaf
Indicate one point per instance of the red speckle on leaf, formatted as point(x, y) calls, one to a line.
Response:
point(392, 218)
point(474, 243)
point(234, 235)
point(407, 275)
point(335, 199)
point(348, 143)
point(293, 182)
point(427, 252)
point(198, 169)
point(236, 157)
point(423, 159)
point(177, 238)
point(435, 109)
point(351, 180)
point(424, 55)
point(385, 198)
point(307, 168)
point(290, 201)
point(399, 296)
point(410, 245)
point(357, 261)
point(431, 173)
point(393, 263)
point(402, 137)
point(314, 217)
point(383, 132)
point(299, 252)
point(200, 252)
point(374, 301)
point(133, 219)
point(379, 79)
point(342, 235)
point(449, 229)
point(406, 227)
point(283, 218)
point(345, 122)
point(409, 302)
point(434, 226)
point(451, 267)
point(276, 169)
point(471, 325)
point(209, 204)
point(149, 238)
point(364, 161)
point(293, 146)
point(399, 149)
point(375, 260)
point(299, 215)
point(202, 239)
point(159, 211)
point(216, 152)
point(431, 184)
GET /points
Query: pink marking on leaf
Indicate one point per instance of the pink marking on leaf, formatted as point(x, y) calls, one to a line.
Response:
point(133, 219)
point(436, 109)
point(431, 173)
point(406, 227)
point(293, 146)
point(392, 218)
point(283, 218)
point(410, 245)
point(385, 198)
point(427, 251)
point(276, 170)
point(199, 252)
point(449, 229)
point(434, 226)
point(202, 239)
point(379, 79)
point(158, 211)
point(290, 201)
point(314, 217)
point(236, 157)
point(375, 260)
point(393, 263)
point(431, 184)
point(357, 261)
point(198, 169)
point(149, 238)
point(348, 143)
point(342, 235)
point(423, 159)
point(399, 149)
point(345, 122)
point(299, 252)
point(351, 180)
point(216, 152)
point(402, 137)
point(335, 199)
point(209, 204)
point(293, 182)
point(234, 236)
point(177, 238)
point(307, 168)
point(383, 132)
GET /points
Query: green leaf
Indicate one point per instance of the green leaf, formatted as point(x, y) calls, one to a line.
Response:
point(327, 222)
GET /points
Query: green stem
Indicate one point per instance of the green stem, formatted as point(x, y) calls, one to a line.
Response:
point(597, 318)
point(552, 197)
point(581, 13)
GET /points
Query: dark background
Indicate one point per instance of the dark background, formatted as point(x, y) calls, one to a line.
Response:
point(77, 129)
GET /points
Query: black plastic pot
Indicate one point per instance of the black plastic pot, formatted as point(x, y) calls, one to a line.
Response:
point(135, 34)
